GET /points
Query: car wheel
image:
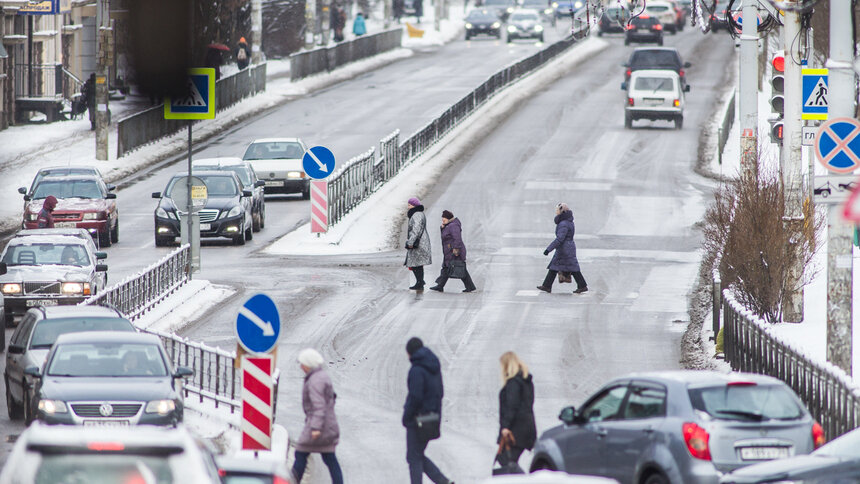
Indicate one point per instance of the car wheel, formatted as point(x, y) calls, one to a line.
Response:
point(626, 41)
point(15, 410)
point(468, 37)
point(660, 41)
point(628, 121)
point(249, 232)
point(10, 320)
point(239, 239)
point(162, 241)
point(510, 39)
point(263, 216)
point(104, 239)
point(306, 195)
point(114, 233)
point(540, 38)
point(255, 221)
point(655, 478)
point(542, 465)
point(679, 122)
point(600, 33)
point(28, 409)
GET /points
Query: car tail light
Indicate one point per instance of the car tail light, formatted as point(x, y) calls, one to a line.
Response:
point(629, 71)
point(280, 480)
point(106, 446)
point(677, 102)
point(629, 101)
point(818, 438)
point(658, 27)
point(222, 473)
point(696, 439)
point(681, 73)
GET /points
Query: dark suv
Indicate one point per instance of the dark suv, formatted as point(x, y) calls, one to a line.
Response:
point(613, 20)
point(644, 28)
point(661, 58)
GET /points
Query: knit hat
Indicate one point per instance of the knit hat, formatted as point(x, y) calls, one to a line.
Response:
point(447, 214)
point(414, 202)
point(563, 207)
point(242, 40)
point(50, 202)
point(414, 344)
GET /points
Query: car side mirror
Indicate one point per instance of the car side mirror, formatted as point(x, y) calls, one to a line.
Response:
point(27, 198)
point(156, 194)
point(623, 86)
point(687, 64)
point(259, 183)
point(22, 190)
point(568, 415)
point(3, 268)
point(247, 193)
point(101, 255)
point(33, 371)
point(15, 349)
point(101, 267)
point(110, 196)
point(183, 372)
point(687, 88)
point(111, 187)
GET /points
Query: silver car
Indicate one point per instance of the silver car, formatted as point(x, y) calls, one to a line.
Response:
point(278, 162)
point(678, 427)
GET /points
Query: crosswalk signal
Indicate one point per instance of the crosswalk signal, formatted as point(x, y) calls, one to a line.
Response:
point(776, 129)
point(777, 100)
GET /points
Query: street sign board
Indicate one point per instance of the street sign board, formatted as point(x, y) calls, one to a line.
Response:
point(815, 94)
point(199, 102)
point(738, 16)
point(45, 7)
point(319, 206)
point(258, 325)
point(833, 189)
point(257, 402)
point(318, 162)
point(837, 145)
point(808, 135)
point(179, 193)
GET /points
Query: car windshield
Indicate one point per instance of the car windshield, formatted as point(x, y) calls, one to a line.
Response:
point(274, 150)
point(615, 13)
point(47, 330)
point(748, 402)
point(107, 360)
point(654, 84)
point(109, 467)
point(481, 15)
point(657, 8)
point(216, 185)
point(524, 17)
point(535, 3)
point(847, 445)
point(240, 170)
point(46, 253)
point(661, 58)
point(61, 188)
point(499, 3)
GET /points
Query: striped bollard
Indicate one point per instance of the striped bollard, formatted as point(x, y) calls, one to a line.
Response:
point(257, 402)
point(319, 206)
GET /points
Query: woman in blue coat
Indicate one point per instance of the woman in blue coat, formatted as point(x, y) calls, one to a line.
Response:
point(564, 259)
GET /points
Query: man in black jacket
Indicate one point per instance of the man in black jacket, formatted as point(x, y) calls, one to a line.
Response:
point(425, 396)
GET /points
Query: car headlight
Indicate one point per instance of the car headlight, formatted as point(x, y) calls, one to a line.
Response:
point(11, 288)
point(577, 5)
point(33, 217)
point(510, 9)
point(512, 28)
point(51, 407)
point(547, 11)
point(538, 28)
point(235, 211)
point(160, 212)
point(554, 4)
point(295, 174)
point(468, 25)
point(161, 407)
point(91, 216)
point(496, 25)
point(75, 288)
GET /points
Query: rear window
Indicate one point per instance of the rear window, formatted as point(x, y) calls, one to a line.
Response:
point(657, 8)
point(658, 58)
point(47, 330)
point(746, 402)
point(104, 469)
point(246, 479)
point(654, 84)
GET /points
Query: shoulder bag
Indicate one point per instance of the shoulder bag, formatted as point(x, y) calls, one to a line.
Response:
point(428, 426)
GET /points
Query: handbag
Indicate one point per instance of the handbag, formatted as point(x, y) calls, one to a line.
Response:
point(428, 426)
point(564, 277)
point(457, 269)
point(507, 465)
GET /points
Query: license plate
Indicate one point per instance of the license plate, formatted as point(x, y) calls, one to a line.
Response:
point(205, 227)
point(31, 303)
point(274, 183)
point(106, 423)
point(653, 102)
point(65, 225)
point(763, 453)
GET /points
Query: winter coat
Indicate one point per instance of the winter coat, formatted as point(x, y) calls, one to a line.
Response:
point(358, 25)
point(425, 386)
point(516, 410)
point(243, 63)
point(564, 259)
point(45, 220)
point(452, 238)
point(418, 5)
point(318, 400)
point(416, 234)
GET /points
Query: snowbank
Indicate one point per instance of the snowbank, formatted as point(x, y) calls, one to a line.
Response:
point(188, 303)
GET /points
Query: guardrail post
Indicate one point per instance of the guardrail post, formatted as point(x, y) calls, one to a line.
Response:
point(716, 304)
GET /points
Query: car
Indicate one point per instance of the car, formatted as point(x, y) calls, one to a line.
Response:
point(686, 7)
point(836, 462)
point(62, 171)
point(656, 58)
point(49, 270)
point(227, 212)
point(677, 427)
point(83, 201)
point(50, 453)
point(654, 95)
point(525, 24)
point(719, 17)
point(644, 28)
point(250, 470)
point(249, 180)
point(278, 162)
point(34, 337)
point(567, 8)
point(665, 13)
point(543, 7)
point(680, 19)
point(503, 8)
point(613, 20)
point(108, 378)
point(483, 21)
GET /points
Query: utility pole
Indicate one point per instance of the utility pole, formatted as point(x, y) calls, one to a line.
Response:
point(256, 31)
point(839, 233)
point(748, 90)
point(103, 62)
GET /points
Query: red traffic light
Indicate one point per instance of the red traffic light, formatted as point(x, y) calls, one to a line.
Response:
point(778, 63)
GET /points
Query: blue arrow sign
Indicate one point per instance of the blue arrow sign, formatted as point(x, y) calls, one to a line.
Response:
point(258, 325)
point(318, 162)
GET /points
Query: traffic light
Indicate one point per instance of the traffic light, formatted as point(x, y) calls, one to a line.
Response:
point(777, 101)
point(776, 127)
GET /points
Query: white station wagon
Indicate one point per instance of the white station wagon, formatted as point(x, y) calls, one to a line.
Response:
point(656, 95)
point(278, 162)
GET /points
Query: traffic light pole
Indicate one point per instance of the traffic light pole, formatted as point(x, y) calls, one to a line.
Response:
point(748, 91)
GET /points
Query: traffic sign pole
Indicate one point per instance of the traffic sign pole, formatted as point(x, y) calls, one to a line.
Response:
point(748, 92)
point(257, 402)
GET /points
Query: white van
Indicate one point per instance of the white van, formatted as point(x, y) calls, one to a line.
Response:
point(656, 95)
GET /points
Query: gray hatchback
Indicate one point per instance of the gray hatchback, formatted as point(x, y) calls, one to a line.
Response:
point(678, 427)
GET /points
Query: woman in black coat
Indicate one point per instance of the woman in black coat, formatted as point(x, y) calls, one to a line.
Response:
point(516, 408)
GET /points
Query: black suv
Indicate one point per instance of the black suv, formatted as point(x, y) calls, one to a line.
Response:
point(644, 28)
point(665, 58)
point(613, 20)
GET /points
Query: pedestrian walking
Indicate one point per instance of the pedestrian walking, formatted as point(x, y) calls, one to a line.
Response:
point(243, 54)
point(422, 412)
point(321, 432)
point(398, 9)
point(418, 253)
point(45, 220)
point(213, 60)
point(359, 28)
point(454, 254)
point(88, 90)
point(517, 429)
point(418, 5)
point(338, 22)
point(564, 260)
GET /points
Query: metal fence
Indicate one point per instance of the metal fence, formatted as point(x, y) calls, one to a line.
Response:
point(725, 126)
point(38, 80)
point(149, 125)
point(324, 59)
point(829, 394)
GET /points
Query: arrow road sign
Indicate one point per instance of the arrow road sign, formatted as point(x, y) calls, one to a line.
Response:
point(318, 162)
point(258, 325)
point(837, 145)
point(815, 94)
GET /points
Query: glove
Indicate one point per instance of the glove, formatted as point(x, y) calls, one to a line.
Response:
point(456, 252)
point(546, 252)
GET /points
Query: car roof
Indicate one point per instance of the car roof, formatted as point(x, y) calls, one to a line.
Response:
point(225, 161)
point(47, 239)
point(107, 337)
point(655, 73)
point(39, 434)
point(277, 140)
point(642, 49)
point(67, 231)
point(54, 179)
point(52, 312)
point(69, 167)
point(701, 378)
point(207, 173)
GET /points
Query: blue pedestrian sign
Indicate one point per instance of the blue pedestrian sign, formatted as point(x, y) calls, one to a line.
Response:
point(318, 162)
point(815, 94)
point(258, 325)
point(837, 145)
point(199, 101)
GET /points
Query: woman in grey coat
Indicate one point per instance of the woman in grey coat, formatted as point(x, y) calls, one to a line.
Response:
point(418, 253)
point(321, 433)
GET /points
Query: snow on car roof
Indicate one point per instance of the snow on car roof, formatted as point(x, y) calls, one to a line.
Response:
point(47, 239)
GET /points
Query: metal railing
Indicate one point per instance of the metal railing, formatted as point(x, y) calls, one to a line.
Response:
point(39, 81)
point(324, 59)
point(831, 396)
point(725, 126)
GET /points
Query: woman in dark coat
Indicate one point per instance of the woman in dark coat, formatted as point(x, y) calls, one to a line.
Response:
point(453, 249)
point(418, 253)
point(321, 432)
point(516, 408)
point(564, 259)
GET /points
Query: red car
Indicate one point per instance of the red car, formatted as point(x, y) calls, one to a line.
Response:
point(84, 202)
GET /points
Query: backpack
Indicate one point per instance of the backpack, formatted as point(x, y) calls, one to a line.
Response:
point(242, 55)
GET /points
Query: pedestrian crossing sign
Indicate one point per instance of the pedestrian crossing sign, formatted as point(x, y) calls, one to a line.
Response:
point(199, 102)
point(815, 94)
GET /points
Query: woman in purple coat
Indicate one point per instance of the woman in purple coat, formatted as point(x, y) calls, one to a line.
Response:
point(564, 259)
point(321, 433)
point(453, 249)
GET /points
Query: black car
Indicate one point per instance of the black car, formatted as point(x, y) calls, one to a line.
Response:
point(248, 177)
point(662, 58)
point(108, 378)
point(227, 212)
point(483, 21)
point(644, 28)
point(719, 17)
point(613, 20)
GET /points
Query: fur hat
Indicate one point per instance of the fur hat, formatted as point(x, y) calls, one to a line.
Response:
point(447, 214)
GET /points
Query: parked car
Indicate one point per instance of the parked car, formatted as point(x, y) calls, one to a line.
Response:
point(665, 12)
point(63, 171)
point(656, 58)
point(525, 24)
point(483, 21)
point(250, 470)
point(543, 7)
point(39, 329)
point(108, 378)
point(678, 427)
point(227, 212)
point(654, 95)
point(249, 180)
point(644, 28)
point(503, 8)
point(83, 201)
point(278, 162)
point(60, 454)
point(49, 270)
point(613, 20)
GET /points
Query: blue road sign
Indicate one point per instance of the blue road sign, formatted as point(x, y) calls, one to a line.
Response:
point(837, 145)
point(199, 102)
point(258, 325)
point(815, 90)
point(318, 162)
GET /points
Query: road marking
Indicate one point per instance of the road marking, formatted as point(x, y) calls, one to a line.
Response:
point(566, 186)
point(542, 235)
point(528, 293)
point(652, 216)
